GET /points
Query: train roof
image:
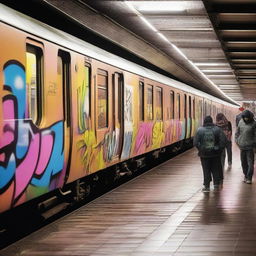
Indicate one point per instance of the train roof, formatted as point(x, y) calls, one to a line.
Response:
point(44, 31)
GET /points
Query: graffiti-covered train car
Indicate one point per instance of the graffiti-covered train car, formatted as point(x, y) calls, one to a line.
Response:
point(69, 109)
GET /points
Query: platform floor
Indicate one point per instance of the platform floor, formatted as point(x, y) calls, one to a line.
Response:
point(161, 213)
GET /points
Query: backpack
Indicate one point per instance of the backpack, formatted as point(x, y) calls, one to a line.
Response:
point(209, 141)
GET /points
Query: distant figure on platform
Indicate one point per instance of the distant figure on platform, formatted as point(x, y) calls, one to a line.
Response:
point(239, 116)
point(225, 125)
point(210, 142)
point(246, 140)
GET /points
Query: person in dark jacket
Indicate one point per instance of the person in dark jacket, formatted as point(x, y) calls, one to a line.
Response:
point(210, 142)
point(246, 139)
point(239, 116)
point(225, 125)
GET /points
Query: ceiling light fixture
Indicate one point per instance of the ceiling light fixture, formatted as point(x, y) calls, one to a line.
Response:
point(130, 5)
point(158, 6)
point(148, 24)
point(163, 37)
point(211, 64)
point(179, 51)
point(216, 70)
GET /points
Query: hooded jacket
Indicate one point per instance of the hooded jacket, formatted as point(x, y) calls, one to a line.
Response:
point(224, 124)
point(245, 136)
point(220, 139)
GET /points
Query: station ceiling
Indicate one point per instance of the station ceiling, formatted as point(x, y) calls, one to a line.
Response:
point(209, 44)
point(217, 36)
point(235, 24)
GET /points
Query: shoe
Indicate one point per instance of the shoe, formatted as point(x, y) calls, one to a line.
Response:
point(205, 189)
point(248, 182)
point(245, 179)
point(216, 187)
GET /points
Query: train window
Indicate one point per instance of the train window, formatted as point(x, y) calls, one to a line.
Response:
point(199, 109)
point(171, 105)
point(150, 102)
point(117, 98)
point(102, 103)
point(205, 109)
point(178, 105)
point(120, 96)
point(141, 101)
point(87, 81)
point(214, 111)
point(159, 103)
point(189, 107)
point(83, 97)
point(185, 106)
point(34, 58)
point(63, 72)
point(194, 108)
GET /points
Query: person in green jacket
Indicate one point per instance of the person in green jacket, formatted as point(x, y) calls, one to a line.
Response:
point(245, 138)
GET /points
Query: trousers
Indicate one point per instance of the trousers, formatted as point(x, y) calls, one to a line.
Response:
point(212, 169)
point(247, 161)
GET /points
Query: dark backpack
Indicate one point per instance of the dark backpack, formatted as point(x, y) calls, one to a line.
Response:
point(209, 141)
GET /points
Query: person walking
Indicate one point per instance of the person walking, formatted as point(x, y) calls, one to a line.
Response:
point(225, 125)
point(210, 141)
point(245, 138)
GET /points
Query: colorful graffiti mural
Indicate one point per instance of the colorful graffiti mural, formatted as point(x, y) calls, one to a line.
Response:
point(31, 159)
point(128, 121)
point(143, 138)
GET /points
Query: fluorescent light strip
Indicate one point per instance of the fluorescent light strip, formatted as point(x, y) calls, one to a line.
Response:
point(130, 5)
point(159, 6)
point(216, 70)
point(211, 64)
point(163, 37)
point(179, 51)
point(240, 42)
point(148, 24)
point(211, 82)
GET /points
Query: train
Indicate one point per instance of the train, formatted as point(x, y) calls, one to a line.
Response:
point(70, 110)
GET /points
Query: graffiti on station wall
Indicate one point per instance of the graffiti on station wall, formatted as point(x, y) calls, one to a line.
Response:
point(31, 159)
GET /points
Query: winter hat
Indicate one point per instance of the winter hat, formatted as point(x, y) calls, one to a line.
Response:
point(221, 117)
point(247, 114)
point(208, 120)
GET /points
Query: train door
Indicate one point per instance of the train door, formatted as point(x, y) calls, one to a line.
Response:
point(64, 80)
point(118, 124)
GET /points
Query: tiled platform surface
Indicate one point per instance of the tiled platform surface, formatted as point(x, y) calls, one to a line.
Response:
point(161, 213)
